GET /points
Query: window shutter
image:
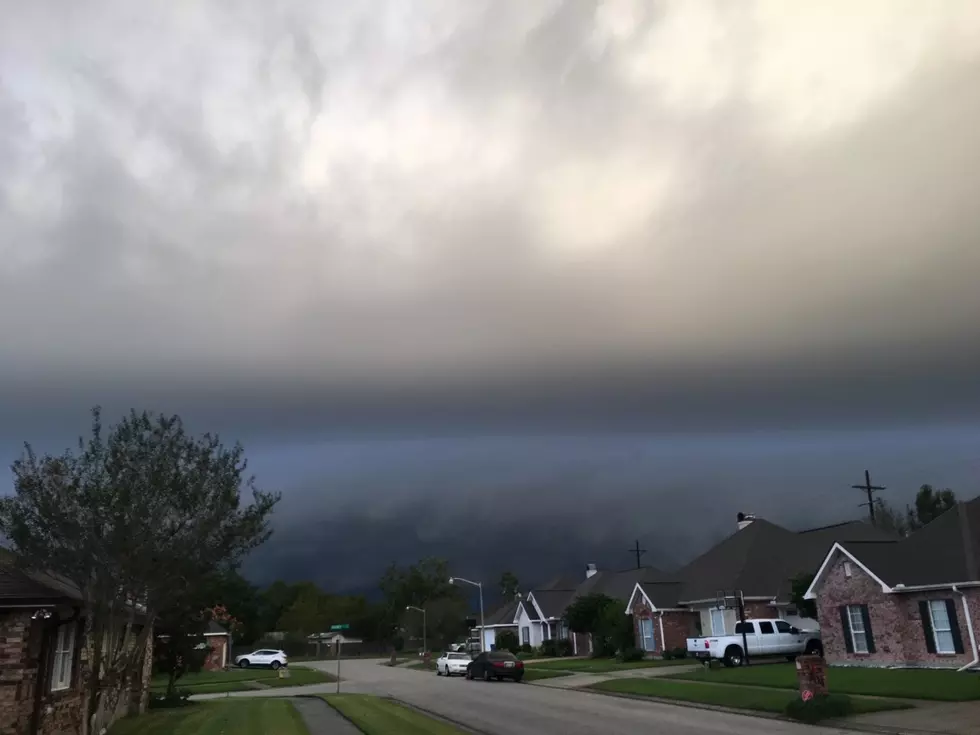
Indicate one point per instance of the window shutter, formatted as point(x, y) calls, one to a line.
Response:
point(846, 625)
point(954, 626)
point(867, 628)
point(927, 626)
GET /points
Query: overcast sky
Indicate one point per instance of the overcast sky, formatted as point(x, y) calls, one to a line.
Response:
point(581, 271)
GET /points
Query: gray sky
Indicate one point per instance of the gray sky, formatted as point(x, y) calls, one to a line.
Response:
point(380, 222)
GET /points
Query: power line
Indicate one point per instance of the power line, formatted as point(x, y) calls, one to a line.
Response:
point(870, 490)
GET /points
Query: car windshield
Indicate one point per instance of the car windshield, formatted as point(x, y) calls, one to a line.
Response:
point(502, 656)
point(460, 656)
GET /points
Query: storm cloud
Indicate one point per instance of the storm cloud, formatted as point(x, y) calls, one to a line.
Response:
point(641, 225)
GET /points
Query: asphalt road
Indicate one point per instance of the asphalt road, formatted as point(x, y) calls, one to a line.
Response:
point(505, 708)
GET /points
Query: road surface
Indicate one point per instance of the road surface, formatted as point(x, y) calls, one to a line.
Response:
point(505, 708)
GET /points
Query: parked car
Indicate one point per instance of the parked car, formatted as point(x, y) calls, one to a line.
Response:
point(765, 637)
point(495, 665)
point(452, 662)
point(262, 657)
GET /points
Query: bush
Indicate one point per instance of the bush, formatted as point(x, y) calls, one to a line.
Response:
point(549, 648)
point(526, 648)
point(507, 641)
point(679, 653)
point(821, 707)
point(667, 654)
point(564, 647)
point(630, 654)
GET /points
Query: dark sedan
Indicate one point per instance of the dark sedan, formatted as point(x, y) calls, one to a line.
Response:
point(495, 665)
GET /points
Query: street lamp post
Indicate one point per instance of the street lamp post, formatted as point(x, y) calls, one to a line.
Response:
point(425, 647)
point(479, 586)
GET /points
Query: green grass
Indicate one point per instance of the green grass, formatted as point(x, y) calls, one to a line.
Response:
point(535, 674)
point(939, 685)
point(259, 716)
point(602, 665)
point(376, 716)
point(761, 700)
point(422, 666)
point(236, 680)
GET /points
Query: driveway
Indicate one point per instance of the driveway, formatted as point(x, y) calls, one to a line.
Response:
point(503, 708)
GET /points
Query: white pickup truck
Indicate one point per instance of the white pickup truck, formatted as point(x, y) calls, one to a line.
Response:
point(765, 637)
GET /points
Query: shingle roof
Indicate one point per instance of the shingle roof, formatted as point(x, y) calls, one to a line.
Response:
point(945, 551)
point(28, 585)
point(215, 627)
point(619, 585)
point(551, 602)
point(761, 558)
point(503, 615)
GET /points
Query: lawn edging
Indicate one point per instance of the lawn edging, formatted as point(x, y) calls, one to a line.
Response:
point(458, 724)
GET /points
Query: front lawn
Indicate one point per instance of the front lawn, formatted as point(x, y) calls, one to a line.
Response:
point(762, 700)
point(259, 716)
point(238, 680)
point(376, 716)
point(602, 665)
point(903, 683)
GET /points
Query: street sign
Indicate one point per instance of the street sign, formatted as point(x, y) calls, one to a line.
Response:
point(341, 626)
point(807, 695)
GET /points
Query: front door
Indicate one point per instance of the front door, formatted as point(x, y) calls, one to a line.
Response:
point(647, 641)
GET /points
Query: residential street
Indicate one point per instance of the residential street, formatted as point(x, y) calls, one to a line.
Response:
point(529, 709)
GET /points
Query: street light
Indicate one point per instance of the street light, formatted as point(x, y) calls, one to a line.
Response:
point(421, 610)
point(478, 585)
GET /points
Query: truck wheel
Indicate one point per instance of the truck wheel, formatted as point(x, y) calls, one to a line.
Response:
point(814, 648)
point(733, 656)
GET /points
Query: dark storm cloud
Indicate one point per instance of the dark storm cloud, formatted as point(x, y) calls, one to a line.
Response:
point(344, 220)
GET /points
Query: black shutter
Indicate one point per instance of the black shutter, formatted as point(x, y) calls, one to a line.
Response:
point(845, 624)
point(927, 626)
point(954, 626)
point(867, 629)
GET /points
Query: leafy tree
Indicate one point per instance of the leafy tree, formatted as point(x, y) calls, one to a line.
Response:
point(509, 585)
point(929, 505)
point(274, 601)
point(801, 583)
point(890, 520)
point(135, 517)
point(602, 617)
point(424, 585)
point(233, 592)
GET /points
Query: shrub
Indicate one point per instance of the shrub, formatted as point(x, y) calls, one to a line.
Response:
point(667, 654)
point(564, 647)
point(507, 641)
point(550, 648)
point(526, 648)
point(821, 707)
point(630, 654)
point(679, 653)
point(162, 701)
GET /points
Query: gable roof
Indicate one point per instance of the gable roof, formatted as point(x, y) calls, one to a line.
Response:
point(943, 552)
point(503, 615)
point(23, 586)
point(215, 628)
point(552, 603)
point(762, 558)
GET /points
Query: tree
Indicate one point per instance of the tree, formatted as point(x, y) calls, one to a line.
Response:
point(506, 640)
point(424, 585)
point(602, 617)
point(135, 517)
point(509, 585)
point(890, 520)
point(801, 583)
point(929, 505)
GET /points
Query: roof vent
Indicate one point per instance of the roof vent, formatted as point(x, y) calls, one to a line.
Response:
point(590, 570)
point(744, 519)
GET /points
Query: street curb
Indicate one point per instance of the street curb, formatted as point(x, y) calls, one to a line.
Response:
point(442, 718)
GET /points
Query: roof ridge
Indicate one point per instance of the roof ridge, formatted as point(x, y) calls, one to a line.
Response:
point(830, 525)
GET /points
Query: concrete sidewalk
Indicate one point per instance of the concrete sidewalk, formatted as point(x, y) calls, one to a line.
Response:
point(588, 679)
point(322, 719)
point(948, 718)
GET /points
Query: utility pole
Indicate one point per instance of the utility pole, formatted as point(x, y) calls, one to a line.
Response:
point(870, 490)
point(639, 552)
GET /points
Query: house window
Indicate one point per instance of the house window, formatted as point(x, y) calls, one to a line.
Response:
point(64, 653)
point(718, 621)
point(562, 629)
point(546, 631)
point(647, 641)
point(848, 569)
point(942, 630)
point(859, 636)
point(526, 635)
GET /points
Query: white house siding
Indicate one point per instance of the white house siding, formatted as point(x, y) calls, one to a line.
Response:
point(534, 627)
point(489, 638)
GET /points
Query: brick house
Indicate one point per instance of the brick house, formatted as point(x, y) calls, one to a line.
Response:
point(911, 602)
point(218, 641)
point(43, 655)
point(760, 559)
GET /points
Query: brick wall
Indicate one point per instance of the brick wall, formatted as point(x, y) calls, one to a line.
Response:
point(216, 657)
point(896, 622)
point(678, 626)
point(760, 610)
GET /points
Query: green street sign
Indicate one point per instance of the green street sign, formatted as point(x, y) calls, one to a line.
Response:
point(342, 626)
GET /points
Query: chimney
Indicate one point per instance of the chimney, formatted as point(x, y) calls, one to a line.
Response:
point(744, 519)
point(590, 570)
